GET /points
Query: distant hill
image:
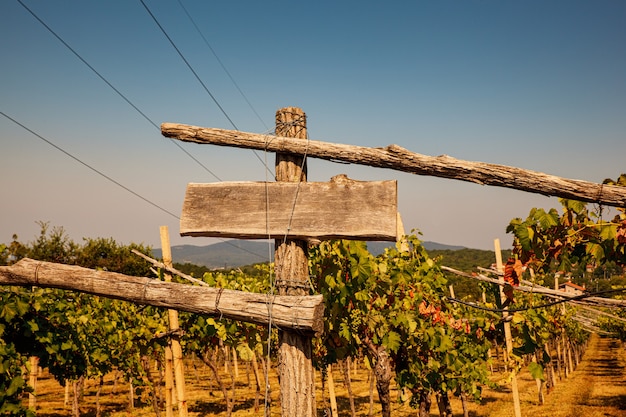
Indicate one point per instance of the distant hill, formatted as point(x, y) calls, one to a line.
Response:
point(226, 254)
point(235, 253)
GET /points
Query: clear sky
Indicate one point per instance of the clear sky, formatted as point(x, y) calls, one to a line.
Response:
point(538, 85)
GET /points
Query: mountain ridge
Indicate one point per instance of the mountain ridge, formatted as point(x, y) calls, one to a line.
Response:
point(235, 253)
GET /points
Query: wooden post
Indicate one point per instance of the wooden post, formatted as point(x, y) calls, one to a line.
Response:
point(507, 331)
point(331, 392)
point(177, 352)
point(32, 381)
point(131, 395)
point(568, 356)
point(295, 368)
point(257, 379)
point(169, 382)
point(235, 363)
point(559, 363)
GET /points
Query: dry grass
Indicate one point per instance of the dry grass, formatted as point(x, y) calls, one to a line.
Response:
point(596, 389)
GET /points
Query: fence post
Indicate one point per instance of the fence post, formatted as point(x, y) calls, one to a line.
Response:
point(295, 368)
point(32, 381)
point(177, 352)
point(507, 331)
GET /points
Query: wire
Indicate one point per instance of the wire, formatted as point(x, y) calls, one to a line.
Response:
point(129, 102)
point(198, 77)
point(119, 93)
point(295, 197)
point(222, 65)
point(102, 174)
point(267, 129)
point(271, 290)
point(515, 310)
point(189, 65)
point(90, 167)
point(297, 123)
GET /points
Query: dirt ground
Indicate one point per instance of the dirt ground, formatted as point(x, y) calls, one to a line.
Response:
point(597, 388)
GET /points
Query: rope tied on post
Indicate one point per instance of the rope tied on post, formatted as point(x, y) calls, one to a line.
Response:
point(217, 302)
point(37, 273)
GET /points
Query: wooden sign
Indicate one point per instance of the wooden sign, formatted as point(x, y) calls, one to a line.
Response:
point(339, 209)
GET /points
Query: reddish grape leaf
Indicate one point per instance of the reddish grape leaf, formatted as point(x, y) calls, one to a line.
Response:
point(512, 274)
point(513, 271)
point(621, 233)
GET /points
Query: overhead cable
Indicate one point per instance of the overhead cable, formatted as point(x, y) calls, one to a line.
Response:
point(206, 42)
point(102, 174)
point(89, 166)
point(189, 66)
point(232, 79)
point(119, 93)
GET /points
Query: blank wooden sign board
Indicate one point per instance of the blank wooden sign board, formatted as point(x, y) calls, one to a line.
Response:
point(339, 209)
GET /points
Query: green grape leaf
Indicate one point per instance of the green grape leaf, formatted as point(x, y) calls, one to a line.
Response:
point(536, 371)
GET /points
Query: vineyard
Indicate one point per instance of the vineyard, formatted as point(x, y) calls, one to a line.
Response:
point(325, 304)
point(391, 326)
point(594, 389)
point(324, 325)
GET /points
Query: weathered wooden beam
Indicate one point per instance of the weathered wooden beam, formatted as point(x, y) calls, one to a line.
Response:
point(339, 209)
point(400, 159)
point(302, 313)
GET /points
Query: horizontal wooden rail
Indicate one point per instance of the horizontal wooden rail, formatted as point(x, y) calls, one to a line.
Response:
point(301, 313)
point(400, 159)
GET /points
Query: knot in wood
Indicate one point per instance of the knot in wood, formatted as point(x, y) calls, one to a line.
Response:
point(341, 179)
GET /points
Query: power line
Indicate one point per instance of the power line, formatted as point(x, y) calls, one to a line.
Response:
point(102, 174)
point(119, 93)
point(193, 22)
point(189, 66)
point(89, 166)
point(206, 42)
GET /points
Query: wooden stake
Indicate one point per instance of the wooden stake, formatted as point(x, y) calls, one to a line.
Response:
point(235, 363)
point(169, 382)
point(345, 368)
point(32, 381)
point(257, 379)
point(131, 395)
point(331, 392)
point(177, 352)
point(66, 398)
point(507, 331)
point(295, 368)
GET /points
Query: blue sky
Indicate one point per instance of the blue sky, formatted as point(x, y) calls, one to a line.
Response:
point(538, 85)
